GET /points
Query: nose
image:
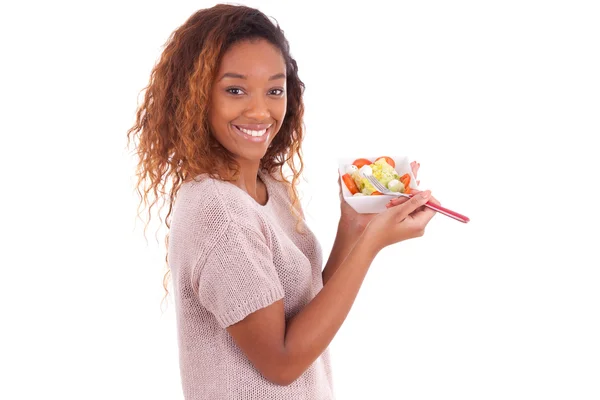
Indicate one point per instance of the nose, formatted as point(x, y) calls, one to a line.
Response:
point(257, 109)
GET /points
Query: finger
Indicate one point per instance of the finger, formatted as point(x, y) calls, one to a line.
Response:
point(404, 210)
point(434, 201)
point(423, 217)
point(401, 199)
point(397, 201)
point(414, 166)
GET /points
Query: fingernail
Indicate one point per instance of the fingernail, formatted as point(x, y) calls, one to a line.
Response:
point(425, 194)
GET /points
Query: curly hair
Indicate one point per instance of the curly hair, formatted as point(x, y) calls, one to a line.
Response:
point(172, 130)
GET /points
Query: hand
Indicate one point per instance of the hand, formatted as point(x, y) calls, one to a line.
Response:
point(355, 223)
point(352, 222)
point(404, 221)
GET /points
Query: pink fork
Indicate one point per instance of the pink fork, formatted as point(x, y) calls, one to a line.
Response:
point(443, 210)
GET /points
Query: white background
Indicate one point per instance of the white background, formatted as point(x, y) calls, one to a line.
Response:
point(499, 101)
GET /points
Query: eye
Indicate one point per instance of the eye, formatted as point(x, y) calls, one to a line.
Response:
point(234, 91)
point(276, 92)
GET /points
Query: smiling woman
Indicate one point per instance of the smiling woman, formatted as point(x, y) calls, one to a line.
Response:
point(249, 99)
point(256, 310)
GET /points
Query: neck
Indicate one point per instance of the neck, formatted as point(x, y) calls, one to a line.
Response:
point(248, 177)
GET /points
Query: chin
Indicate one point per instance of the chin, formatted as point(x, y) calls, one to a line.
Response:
point(252, 156)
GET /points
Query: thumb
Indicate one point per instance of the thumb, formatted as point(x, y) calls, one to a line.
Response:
point(406, 208)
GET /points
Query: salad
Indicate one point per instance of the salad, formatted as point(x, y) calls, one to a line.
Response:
point(383, 170)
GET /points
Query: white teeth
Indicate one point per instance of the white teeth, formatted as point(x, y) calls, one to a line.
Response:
point(253, 133)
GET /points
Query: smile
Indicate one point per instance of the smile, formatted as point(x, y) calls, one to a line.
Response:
point(254, 132)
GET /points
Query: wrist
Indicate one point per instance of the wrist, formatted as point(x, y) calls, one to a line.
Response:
point(371, 243)
point(367, 246)
point(350, 228)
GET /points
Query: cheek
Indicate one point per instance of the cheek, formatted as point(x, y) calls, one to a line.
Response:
point(220, 114)
point(221, 108)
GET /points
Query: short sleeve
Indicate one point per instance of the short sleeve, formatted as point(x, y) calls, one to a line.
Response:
point(238, 276)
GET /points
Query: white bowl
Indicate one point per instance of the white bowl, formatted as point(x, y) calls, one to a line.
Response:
point(373, 204)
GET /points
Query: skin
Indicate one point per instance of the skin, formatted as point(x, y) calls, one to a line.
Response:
point(351, 226)
point(249, 91)
point(281, 350)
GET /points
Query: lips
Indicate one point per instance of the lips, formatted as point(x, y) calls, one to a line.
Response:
point(253, 130)
point(253, 127)
point(256, 136)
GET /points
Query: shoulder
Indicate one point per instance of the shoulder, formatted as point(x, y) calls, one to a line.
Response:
point(198, 220)
point(200, 200)
point(204, 212)
point(206, 207)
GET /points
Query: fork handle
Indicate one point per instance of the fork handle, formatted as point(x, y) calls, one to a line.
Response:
point(448, 212)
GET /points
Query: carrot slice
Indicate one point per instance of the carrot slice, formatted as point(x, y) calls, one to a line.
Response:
point(350, 184)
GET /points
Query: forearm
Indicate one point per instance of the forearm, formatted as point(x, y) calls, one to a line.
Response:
point(345, 240)
point(310, 332)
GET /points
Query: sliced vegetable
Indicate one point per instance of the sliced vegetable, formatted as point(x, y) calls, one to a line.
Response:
point(366, 187)
point(360, 162)
point(388, 160)
point(405, 179)
point(395, 185)
point(383, 172)
point(349, 182)
point(383, 169)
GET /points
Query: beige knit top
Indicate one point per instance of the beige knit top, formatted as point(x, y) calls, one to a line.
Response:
point(230, 256)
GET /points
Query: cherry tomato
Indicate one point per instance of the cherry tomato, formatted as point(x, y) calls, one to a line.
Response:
point(350, 184)
point(388, 160)
point(376, 193)
point(360, 162)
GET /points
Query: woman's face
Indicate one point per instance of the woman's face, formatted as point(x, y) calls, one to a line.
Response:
point(249, 98)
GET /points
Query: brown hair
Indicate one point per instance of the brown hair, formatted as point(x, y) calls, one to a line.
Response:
point(172, 128)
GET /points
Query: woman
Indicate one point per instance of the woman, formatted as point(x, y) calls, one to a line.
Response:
point(222, 117)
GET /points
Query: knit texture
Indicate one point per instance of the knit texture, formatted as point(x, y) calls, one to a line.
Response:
point(230, 256)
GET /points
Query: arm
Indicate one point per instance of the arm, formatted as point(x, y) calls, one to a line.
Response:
point(350, 228)
point(345, 239)
point(282, 350)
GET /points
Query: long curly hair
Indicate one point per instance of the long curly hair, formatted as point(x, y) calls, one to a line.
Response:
point(172, 130)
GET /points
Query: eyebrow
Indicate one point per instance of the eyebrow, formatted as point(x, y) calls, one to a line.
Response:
point(240, 76)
